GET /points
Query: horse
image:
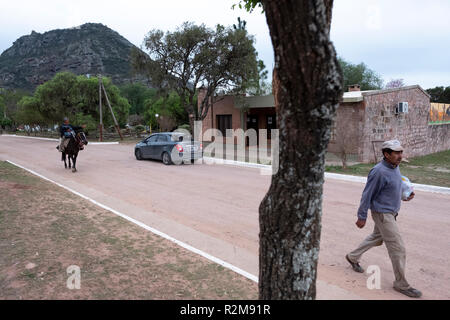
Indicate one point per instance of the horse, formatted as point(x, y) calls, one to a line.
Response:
point(76, 143)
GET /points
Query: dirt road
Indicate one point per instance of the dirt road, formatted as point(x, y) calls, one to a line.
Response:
point(215, 209)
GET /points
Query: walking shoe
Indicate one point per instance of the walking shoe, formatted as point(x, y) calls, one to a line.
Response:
point(410, 292)
point(355, 265)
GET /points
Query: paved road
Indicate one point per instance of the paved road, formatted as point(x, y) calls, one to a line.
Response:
point(215, 209)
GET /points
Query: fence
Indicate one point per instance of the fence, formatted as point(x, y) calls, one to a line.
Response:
point(108, 134)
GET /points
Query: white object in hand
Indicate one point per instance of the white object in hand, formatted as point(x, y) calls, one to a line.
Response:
point(407, 188)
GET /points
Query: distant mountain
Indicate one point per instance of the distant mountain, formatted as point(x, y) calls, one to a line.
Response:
point(91, 48)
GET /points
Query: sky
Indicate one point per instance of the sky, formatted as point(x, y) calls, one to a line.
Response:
point(407, 39)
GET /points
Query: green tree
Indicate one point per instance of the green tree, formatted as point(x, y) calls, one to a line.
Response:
point(242, 24)
point(11, 100)
point(4, 120)
point(249, 5)
point(2, 107)
point(58, 97)
point(119, 104)
point(360, 74)
point(80, 119)
point(175, 108)
point(259, 85)
point(445, 98)
point(87, 96)
point(169, 106)
point(439, 94)
point(152, 108)
point(220, 60)
point(136, 94)
point(69, 95)
point(28, 112)
point(88, 103)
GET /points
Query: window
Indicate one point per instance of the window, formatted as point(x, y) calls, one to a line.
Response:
point(152, 138)
point(224, 123)
point(162, 138)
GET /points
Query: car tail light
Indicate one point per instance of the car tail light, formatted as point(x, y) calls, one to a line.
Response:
point(179, 148)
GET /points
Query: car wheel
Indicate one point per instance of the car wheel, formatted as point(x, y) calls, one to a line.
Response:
point(138, 154)
point(166, 158)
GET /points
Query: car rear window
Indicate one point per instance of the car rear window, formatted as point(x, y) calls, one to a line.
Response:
point(162, 138)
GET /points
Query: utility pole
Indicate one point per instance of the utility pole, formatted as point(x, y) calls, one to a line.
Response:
point(100, 88)
point(100, 106)
point(111, 110)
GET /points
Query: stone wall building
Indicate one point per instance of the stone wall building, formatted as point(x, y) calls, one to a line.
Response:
point(372, 117)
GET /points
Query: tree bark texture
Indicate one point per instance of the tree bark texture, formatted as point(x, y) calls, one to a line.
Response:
point(307, 92)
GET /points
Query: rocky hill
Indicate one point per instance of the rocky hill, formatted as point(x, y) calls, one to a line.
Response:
point(91, 48)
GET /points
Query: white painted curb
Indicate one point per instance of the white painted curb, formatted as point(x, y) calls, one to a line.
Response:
point(429, 188)
point(329, 175)
point(157, 232)
point(417, 186)
point(51, 139)
point(211, 160)
point(26, 137)
point(115, 142)
point(345, 177)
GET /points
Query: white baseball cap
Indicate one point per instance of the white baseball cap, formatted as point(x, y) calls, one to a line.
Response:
point(393, 145)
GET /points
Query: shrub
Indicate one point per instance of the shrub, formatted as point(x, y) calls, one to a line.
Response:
point(139, 129)
point(185, 127)
point(135, 119)
point(82, 119)
point(5, 122)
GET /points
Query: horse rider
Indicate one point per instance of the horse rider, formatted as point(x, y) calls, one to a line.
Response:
point(66, 131)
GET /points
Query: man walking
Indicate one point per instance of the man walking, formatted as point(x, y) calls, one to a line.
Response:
point(382, 195)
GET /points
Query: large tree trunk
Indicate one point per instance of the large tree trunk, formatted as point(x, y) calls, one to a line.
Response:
point(308, 91)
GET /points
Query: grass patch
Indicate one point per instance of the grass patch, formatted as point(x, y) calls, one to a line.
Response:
point(432, 169)
point(439, 122)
